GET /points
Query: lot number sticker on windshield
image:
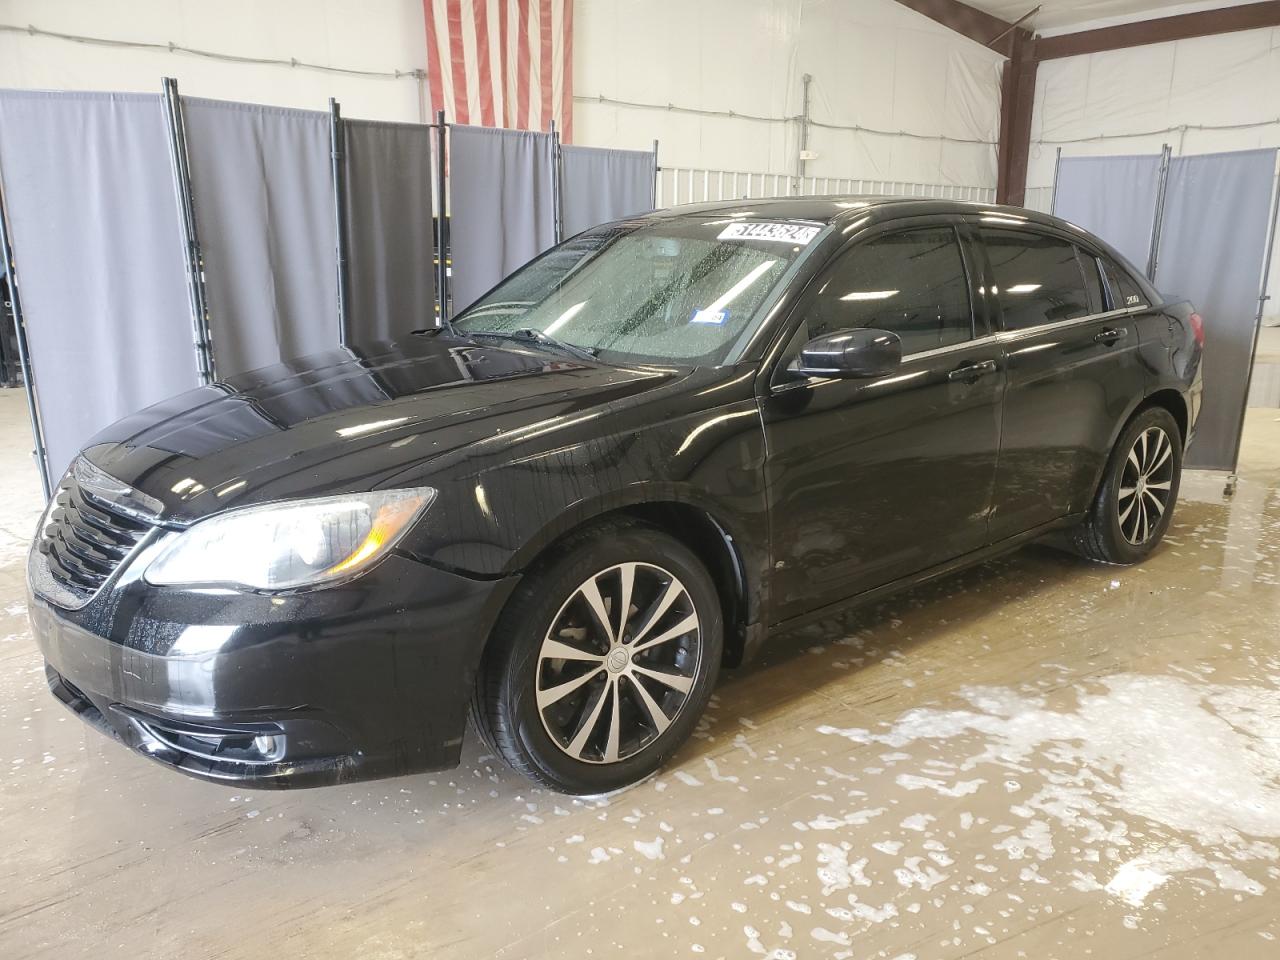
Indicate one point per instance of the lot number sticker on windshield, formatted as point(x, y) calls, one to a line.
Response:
point(718, 317)
point(781, 232)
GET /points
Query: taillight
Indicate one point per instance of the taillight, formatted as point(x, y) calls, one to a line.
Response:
point(1197, 329)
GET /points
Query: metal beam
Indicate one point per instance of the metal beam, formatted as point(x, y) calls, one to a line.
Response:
point(1024, 52)
point(1017, 100)
point(1017, 86)
point(1014, 26)
point(977, 25)
point(1251, 16)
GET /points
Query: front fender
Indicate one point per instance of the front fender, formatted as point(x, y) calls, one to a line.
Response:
point(496, 513)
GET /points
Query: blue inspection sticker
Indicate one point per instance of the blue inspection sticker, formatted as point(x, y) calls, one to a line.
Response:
point(717, 317)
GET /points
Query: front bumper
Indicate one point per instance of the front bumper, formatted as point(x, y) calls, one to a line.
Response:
point(368, 679)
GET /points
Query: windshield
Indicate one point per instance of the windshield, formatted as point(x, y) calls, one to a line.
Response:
point(661, 291)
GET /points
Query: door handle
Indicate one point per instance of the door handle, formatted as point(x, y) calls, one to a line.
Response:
point(971, 372)
point(1109, 335)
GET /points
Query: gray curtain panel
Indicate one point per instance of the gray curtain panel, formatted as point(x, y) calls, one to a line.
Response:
point(263, 193)
point(98, 248)
point(390, 241)
point(1114, 197)
point(1213, 242)
point(599, 185)
point(501, 205)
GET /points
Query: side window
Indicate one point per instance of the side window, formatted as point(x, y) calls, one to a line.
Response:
point(1124, 292)
point(1037, 277)
point(1092, 281)
point(911, 283)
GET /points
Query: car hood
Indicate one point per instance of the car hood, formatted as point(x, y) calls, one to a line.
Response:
point(351, 419)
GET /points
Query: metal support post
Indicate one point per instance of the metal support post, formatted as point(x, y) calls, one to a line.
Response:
point(203, 342)
point(338, 171)
point(442, 219)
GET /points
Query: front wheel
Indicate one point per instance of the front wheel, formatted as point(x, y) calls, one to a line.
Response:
point(1134, 505)
point(603, 660)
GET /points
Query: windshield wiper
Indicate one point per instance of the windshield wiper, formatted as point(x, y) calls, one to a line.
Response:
point(546, 339)
point(530, 335)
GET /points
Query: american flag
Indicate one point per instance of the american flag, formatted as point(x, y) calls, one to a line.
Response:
point(502, 63)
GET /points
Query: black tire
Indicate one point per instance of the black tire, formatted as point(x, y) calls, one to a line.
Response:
point(513, 669)
point(1113, 533)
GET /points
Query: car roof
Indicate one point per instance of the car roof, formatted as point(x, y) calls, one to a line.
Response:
point(838, 208)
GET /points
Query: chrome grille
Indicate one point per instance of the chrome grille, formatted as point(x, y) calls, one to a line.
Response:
point(84, 539)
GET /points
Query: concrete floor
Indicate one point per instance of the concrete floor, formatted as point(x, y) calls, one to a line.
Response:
point(1038, 758)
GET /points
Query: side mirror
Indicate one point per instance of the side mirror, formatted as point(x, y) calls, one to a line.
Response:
point(860, 353)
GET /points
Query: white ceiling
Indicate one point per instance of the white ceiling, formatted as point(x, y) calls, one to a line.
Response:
point(1055, 16)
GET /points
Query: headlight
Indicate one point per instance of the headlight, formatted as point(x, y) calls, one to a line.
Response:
point(281, 546)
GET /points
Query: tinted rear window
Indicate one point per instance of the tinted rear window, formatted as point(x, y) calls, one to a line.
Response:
point(1037, 277)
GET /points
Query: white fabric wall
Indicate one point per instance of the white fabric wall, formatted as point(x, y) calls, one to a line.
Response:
point(874, 64)
point(380, 35)
point(1139, 99)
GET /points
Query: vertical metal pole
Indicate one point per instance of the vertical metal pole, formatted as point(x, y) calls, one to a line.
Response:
point(803, 147)
point(657, 172)
point(1153, 260)
point(337, 168)
point(187, 214)
point(420, 76)
point(1257, 329)
point(557, 201)
point(39, 454)
point(442, 220)
point(1057, 169)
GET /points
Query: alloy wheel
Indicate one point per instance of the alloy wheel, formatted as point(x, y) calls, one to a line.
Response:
point(1145, 485)
point(618, 663)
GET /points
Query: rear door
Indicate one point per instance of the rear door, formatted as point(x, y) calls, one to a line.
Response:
point(1073, 372)
point(874, 479)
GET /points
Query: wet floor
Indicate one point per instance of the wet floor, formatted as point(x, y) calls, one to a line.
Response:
point(1037, 758)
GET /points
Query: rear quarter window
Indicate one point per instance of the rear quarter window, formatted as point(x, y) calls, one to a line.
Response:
point(1125, 291)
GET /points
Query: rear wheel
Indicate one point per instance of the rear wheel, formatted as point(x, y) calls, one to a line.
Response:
point(1134, 505)
point(603, 660)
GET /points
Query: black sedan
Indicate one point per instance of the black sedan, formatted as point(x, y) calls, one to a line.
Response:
point(612, 476)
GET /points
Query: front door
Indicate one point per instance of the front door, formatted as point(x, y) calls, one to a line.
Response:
point(871, 480)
